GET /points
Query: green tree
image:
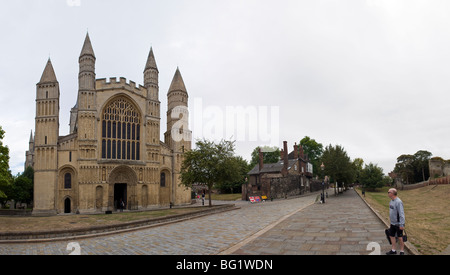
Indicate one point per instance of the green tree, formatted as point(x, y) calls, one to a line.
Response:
point(405, 167)
point(314, 151)
point(22, 188)
point(338, 165)
point(209, 164)
point(372, 176)
point(232, 186)
point(270, 155)
point(6, 177)
point(421, 165)
point(358, 166)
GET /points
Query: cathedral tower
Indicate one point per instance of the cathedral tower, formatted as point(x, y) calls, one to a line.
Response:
point(46, 142)
point(153, 113)
point(86, 105)
point(178, 136)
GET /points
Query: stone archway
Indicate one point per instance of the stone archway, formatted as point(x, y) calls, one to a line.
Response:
point(124, 180)
point(165, 185)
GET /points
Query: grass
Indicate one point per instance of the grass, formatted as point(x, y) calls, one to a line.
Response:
point(427, 215)
point(225, 197)
point(31, 224)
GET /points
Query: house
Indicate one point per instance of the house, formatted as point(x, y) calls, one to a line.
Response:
point(291, 176)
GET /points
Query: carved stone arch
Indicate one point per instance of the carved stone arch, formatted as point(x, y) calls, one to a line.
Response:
point(99, 198)
point(144, 196)
point(165, 186)
point(63, 171)
point(122, 179)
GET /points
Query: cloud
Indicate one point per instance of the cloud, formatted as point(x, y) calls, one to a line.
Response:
point(369, 75)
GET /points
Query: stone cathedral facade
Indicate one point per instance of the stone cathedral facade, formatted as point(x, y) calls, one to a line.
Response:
point(113, 152)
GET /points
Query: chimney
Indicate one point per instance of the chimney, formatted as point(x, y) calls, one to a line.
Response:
point(301, 152)
point(296, 151)
point(261, 159)
point(285, 157)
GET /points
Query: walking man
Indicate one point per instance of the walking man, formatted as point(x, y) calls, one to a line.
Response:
point(397, 218)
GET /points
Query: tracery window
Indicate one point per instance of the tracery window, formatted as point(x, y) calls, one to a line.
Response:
point(121, 131)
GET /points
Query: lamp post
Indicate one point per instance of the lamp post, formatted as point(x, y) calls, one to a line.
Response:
point(322, 167)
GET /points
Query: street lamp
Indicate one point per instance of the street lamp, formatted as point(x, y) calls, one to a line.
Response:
point(322, 167)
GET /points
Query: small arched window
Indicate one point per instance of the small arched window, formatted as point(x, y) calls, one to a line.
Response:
point(163, 179)
point(68, 181)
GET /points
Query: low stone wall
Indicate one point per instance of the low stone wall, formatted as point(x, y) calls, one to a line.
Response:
point(22, 213)
point(104, 229)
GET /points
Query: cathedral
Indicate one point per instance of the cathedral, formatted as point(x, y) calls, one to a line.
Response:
point(113, 156)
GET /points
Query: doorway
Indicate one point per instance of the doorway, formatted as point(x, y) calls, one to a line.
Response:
point(120, 194)
point(67, 206)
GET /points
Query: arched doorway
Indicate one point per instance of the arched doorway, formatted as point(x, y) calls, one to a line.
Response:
point(67, 206)
point(164, 190)
point(122, 187)
point(99, 198)
point(144, 199)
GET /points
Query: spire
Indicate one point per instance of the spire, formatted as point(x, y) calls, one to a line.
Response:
point(87, 47)
point(177, 83)
point(151, 62)
point(48, 76)
point(31, 137)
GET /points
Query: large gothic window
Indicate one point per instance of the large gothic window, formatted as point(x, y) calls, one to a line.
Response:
point(121, 131)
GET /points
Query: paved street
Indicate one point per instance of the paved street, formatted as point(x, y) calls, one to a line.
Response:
point(201, 236)
point(344, 225)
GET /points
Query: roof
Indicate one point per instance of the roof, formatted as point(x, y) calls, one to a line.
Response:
point(272, 167)
point(87, 47)
point(151, 62)
point(48, 76)
point(177, 83)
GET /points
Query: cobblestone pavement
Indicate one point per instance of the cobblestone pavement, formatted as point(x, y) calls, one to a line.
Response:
point(344, 225)
point(202, 236)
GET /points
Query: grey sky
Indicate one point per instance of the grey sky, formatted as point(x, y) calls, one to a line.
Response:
point(369, 75)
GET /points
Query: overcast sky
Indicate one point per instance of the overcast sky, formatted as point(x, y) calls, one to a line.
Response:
point(371, 75)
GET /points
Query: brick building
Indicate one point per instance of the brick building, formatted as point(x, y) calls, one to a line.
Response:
point(291, 176)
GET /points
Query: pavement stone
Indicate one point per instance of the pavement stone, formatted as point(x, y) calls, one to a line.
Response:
point(201, 236)
point(343, 225)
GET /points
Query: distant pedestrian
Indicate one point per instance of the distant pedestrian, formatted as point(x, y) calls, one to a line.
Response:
point(397, 218)
point(121, 205)
point(203, 197)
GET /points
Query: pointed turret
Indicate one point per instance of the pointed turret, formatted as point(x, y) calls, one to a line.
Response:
point(87, 47)
point(86, 76)
point(151, 77)
point(31, 137)
point(178, 135)
point(151, 62)
point(48, 76)
point(177, 83)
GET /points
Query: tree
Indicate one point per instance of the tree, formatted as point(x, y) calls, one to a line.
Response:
point(405, 167)
point(242, 166)
point(372, 176)
point(314, 151)
point(270, 155)
point(358, 166)
point(338, 165)
point(421, 165)
point(6, 178)
point(22, 188)
point(209, 164)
